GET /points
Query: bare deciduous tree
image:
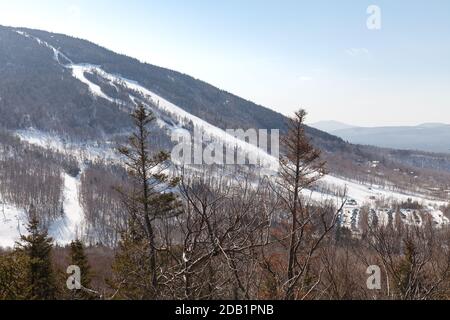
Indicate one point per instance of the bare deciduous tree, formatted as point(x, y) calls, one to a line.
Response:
point(301, 167)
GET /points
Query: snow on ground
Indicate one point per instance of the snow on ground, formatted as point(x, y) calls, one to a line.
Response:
point(56, 53)
point(384, 216)
point(210, 131)
point(78, 72)
point(82, 151)
point(365, 193)
point(63, 231)
point(349, 217)
point(439, 218)
point(41, 139)
point(358, 194)
point(70, 226)
point(12, 225)
point(413, 217)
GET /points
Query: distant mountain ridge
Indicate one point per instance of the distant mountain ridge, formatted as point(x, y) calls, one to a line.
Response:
point(429, 137)
point(331, 126)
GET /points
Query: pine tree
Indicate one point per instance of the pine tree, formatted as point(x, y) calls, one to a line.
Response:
point(37, 247)
point(78, 258)
point(13, 273)
point(149, 200)
point(132, 274)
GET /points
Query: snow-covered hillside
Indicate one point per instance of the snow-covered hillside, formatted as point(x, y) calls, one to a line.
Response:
point(70, 226)
point(64, 230)
point(88, 150)
point(12, 225)
point(180, 119)
point(365, 193)
point(358, 195)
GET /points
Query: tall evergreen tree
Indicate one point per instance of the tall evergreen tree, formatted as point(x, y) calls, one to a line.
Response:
point(150, 198)
point(37, 247)
point(132, 274)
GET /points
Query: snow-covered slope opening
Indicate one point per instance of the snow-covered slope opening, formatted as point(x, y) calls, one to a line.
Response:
point(63, 231)
point(90, 151)
point(363, 193)
point(12, 225)
point(69, 227)
point(78, 72)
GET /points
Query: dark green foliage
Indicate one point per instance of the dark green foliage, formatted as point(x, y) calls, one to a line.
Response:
point(132, 274)
point(37, 247)
point(13, 276)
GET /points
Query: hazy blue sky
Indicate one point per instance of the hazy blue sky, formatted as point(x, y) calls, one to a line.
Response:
point(318, 54)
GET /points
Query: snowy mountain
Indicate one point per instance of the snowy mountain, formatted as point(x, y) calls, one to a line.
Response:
point(78, 91)
point(65, 104)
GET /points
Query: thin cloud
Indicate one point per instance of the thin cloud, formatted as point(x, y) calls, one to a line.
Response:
point(357, 52)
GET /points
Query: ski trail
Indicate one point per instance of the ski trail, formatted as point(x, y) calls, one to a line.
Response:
point(78, 72)
point(69, 227)
point(56, 53)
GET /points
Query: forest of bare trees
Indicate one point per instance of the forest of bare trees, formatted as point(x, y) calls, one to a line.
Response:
point(32, 176)
point(210, 233)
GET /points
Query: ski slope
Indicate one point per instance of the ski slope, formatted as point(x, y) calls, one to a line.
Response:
point(361, 193)
point(90, 150)
point(63, 231)
point(12, 225)
point(70, 226)
point(183, 118)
